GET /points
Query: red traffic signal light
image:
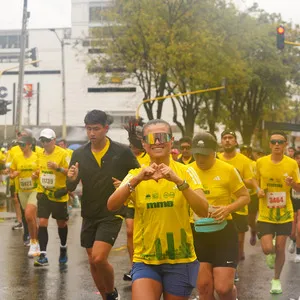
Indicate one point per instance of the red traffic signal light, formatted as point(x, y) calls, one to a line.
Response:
point(280, 37)
point(280, 30)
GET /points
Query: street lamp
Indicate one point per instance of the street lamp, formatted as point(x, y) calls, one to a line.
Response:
point(63, 84)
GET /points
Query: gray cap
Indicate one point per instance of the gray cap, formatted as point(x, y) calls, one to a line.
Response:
point(204, 143)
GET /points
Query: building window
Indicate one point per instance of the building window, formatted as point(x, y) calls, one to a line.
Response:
point(98, 69)
point(98, 11)
point(112, 90)
point(12, 41)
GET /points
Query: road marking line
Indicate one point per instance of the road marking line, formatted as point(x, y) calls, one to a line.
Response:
point(120, 248)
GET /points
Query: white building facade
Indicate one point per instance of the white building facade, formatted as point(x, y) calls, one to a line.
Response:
point(83, 93)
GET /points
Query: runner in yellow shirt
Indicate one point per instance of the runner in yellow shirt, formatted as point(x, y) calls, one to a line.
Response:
point(253, 205)
point(164, 257)
point(217, 248)
point(63, 144)
point(23, 170)
point(277, 174)
point(185, 149)
point(243, 165)
point(14, 151)
point(52, 194)
point(72, 197)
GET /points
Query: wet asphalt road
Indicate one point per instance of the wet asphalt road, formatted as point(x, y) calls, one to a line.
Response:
point(19, 279)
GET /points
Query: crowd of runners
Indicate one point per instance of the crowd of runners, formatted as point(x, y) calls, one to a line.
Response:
point(187, 204)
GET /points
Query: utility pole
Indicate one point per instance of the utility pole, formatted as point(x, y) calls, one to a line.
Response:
point(21, 68)
point(63, 82)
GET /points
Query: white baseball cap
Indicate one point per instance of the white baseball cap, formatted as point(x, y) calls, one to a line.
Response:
point(48, 134)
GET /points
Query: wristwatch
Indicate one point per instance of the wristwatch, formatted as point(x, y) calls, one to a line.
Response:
point(183, 186)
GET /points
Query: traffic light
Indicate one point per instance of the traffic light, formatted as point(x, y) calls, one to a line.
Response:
point(33, 55)
point(3, 107)
point(280, 37)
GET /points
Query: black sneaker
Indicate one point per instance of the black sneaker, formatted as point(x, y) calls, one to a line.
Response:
point(127, 276)
point(26, 241)
point(63, 257)
point(18, 226)
point(113, 296)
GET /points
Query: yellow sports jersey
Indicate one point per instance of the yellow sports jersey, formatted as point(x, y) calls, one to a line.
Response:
point(11, 153)
point(219, 183)
point(253, 168)
point(2, 157)
point(51, 180)
point(162, 231)
point(26, 165)
point(143, 159)
point(99, 155)
point(188, 161)
point(243, 164)
point(39, 150)
point(276, 206)
point(70, 152)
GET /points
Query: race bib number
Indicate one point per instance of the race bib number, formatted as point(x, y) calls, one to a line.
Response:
point(48, 181)
point(26, 183)
point(276, 200)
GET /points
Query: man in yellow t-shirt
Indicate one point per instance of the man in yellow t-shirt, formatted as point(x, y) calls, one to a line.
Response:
point(277, 174)
point(63, 144)
point(164, 259)
point(52, 194)
point(185, 145)
point(243, 165)
point(253, 205)
point(217, 251)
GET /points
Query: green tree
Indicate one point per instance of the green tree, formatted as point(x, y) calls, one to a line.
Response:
point(266, 85)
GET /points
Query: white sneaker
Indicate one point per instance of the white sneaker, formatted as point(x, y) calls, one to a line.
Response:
point(292, 246)
point(34, 250)
point(297, 258)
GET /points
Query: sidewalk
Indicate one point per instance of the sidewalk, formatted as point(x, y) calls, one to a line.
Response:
point(4, 214)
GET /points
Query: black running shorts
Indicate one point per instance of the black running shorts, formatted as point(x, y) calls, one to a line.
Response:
point(241, 222)
point(46, 207)
point(296, 204)
point(219, 248)
point(129, 213)
point(253, 206)
point(104, 230)
point(264, 228)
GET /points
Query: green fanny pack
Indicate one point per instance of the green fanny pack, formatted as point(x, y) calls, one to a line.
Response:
point(209, 225)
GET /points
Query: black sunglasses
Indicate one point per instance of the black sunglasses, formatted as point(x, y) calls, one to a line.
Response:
point(45, 140)
point(185, 147)
point(22, 144)
point(279, 142)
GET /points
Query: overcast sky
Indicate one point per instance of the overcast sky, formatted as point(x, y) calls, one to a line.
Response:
point(57, 13)
point(43, 13)
point(289, 9)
